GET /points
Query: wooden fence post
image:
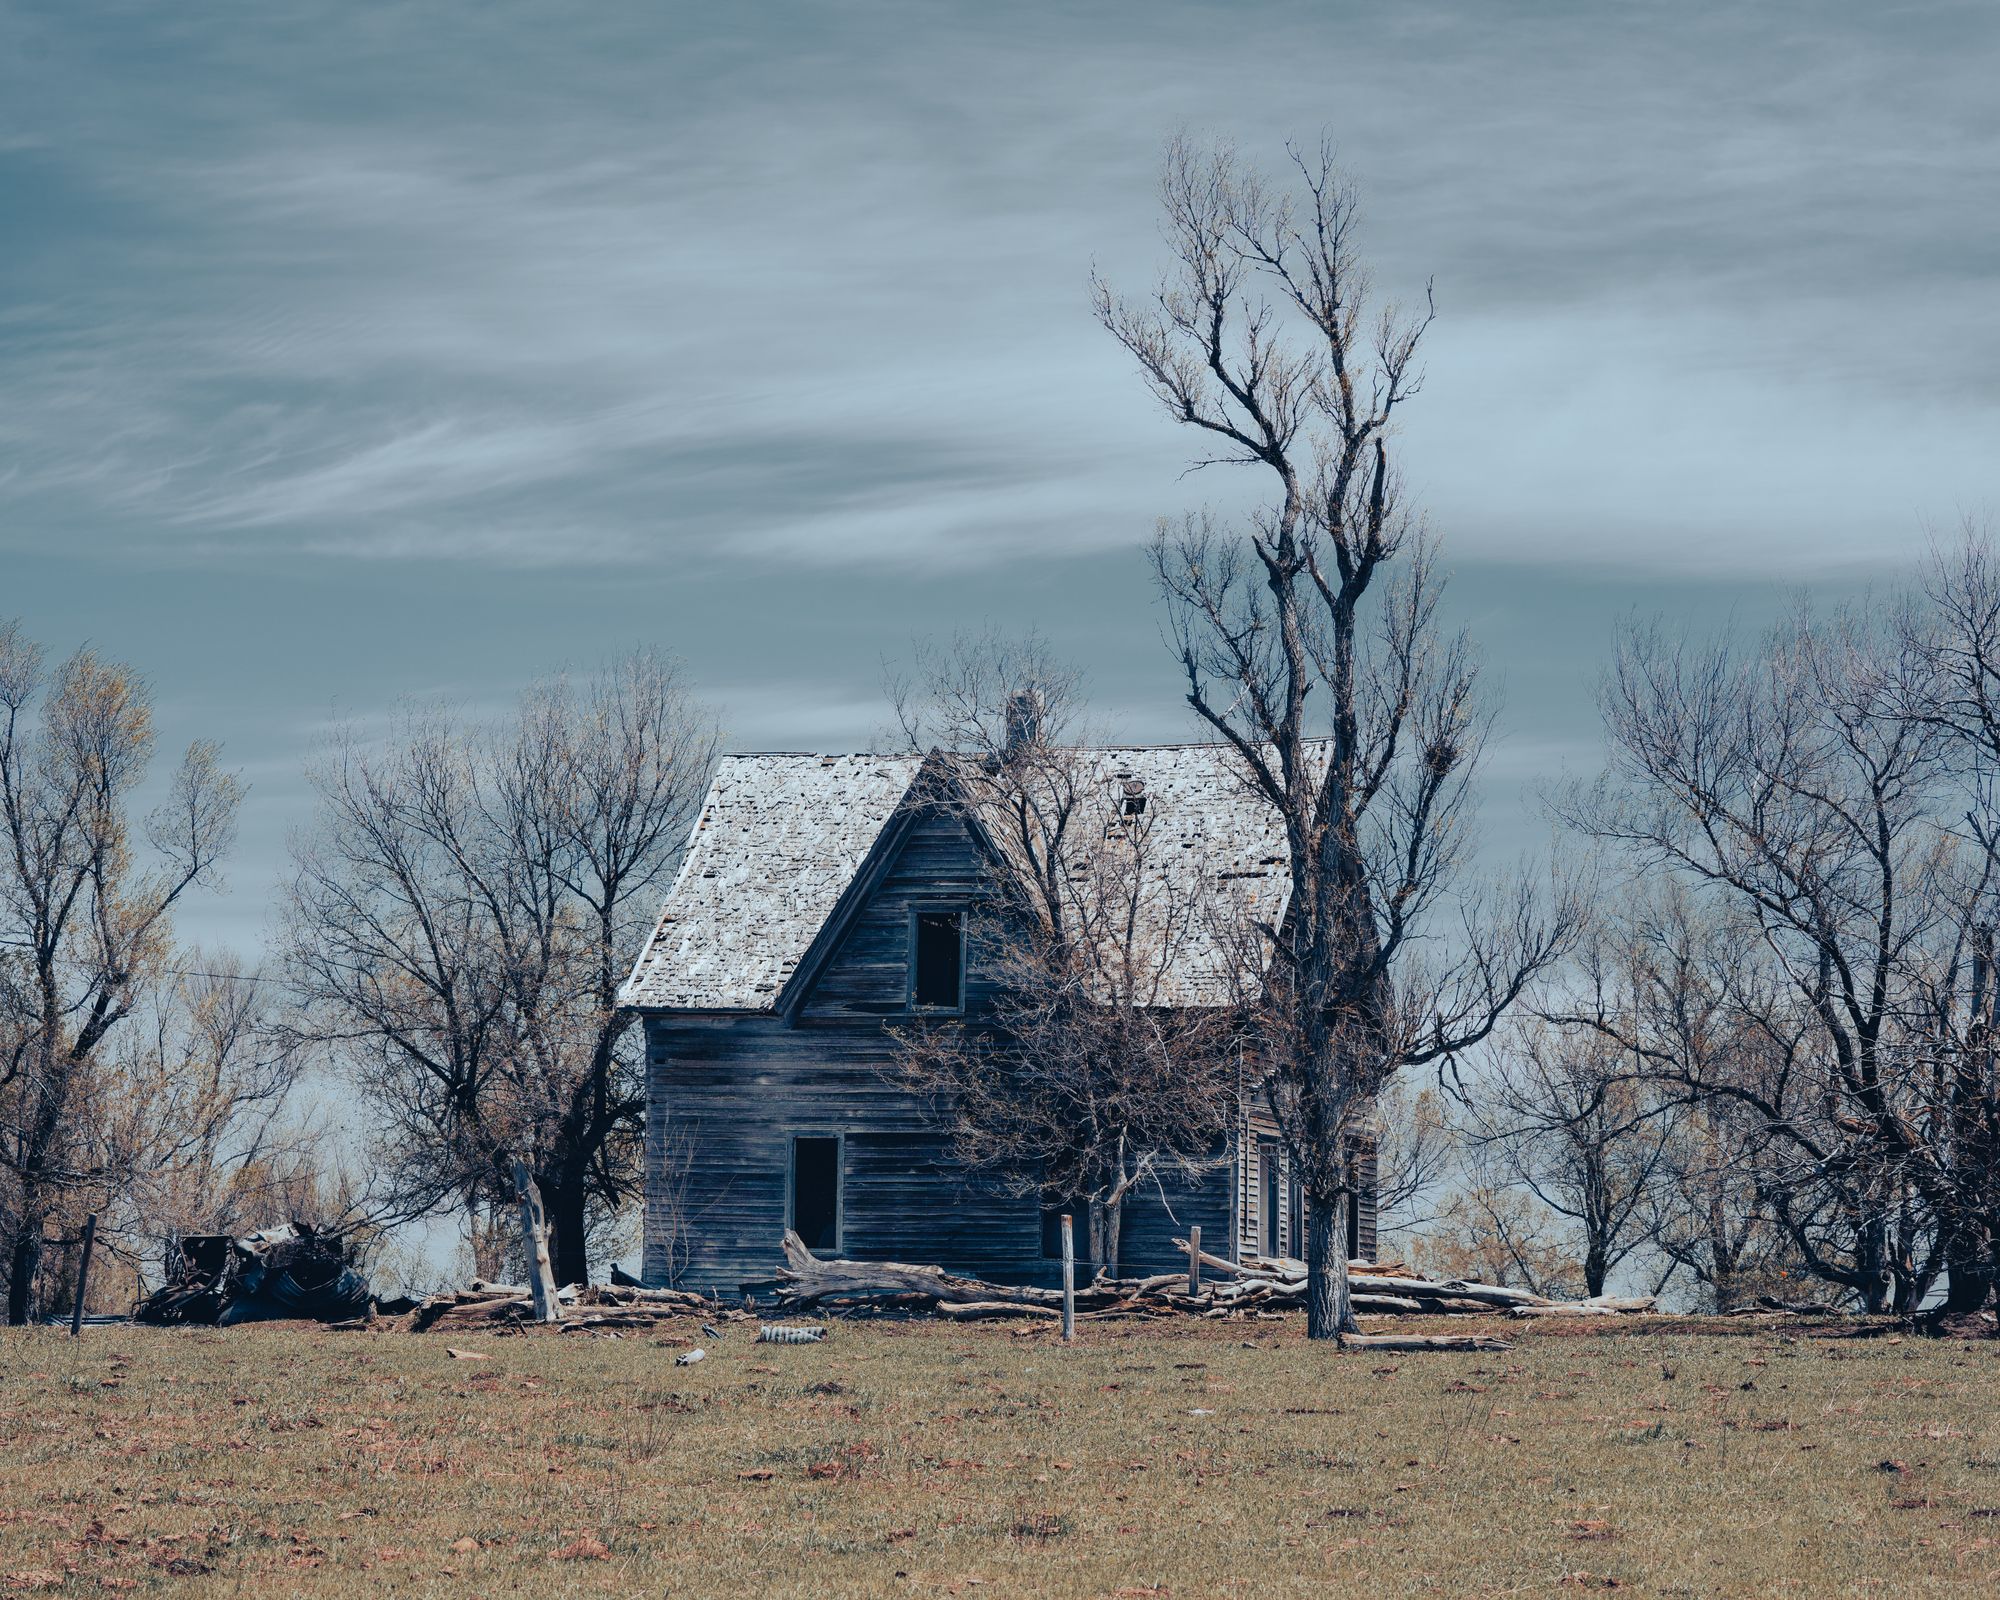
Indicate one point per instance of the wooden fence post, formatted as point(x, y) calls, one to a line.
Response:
point(535, 1237)
point(1069, 1280)
point(1194, 1259)
point(83, 1275)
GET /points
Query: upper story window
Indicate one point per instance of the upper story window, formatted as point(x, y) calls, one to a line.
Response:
point(937, 960)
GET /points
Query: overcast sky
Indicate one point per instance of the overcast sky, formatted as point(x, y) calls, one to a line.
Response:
point(361, 351)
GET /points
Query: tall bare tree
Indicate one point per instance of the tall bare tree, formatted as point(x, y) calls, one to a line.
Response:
point(462, 917)
point(1793, 793)
point(1308, 639)
point(195, 1117)
point(86, 894)
point(1088, 1072)
point(1722, 1191)
point(1569, 1120)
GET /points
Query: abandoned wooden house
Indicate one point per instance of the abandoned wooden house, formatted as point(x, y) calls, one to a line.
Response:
point(821, 902)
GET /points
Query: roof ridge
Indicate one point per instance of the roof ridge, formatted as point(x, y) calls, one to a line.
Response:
point(912, 755)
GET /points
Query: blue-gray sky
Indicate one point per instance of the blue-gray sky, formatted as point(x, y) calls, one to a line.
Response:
point(368, 350)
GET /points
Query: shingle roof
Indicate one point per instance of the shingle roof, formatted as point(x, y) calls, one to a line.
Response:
point(778, 840)
point(781, 837)
point(1216, 853)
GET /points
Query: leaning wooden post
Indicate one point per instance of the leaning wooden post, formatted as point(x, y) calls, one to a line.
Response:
point(1069, 1280)
point(1194, 1260)
point(535, 1239)
point(83, 1275)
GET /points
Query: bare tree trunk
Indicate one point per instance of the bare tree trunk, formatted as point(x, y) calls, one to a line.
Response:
point(1968, 1288)
point(1594, 1269)
point(1722, 1260)
point(1107, 1227)
point(31, 1217)
point(569, 1249)
point(1969, 1275)
point(1878, 1282)
point(24, 1261)
point(1329, 1310)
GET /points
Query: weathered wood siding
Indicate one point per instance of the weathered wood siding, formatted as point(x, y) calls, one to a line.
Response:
point(867, 979)
point(1368, 1184)
point(740, 1089)
point(1260, 1128)
point(1158, 1214)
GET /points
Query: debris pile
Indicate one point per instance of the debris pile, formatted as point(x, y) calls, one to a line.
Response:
point(276, 1272)
point(493, 1307)
point(1252, 1286)
point(1375, 1288)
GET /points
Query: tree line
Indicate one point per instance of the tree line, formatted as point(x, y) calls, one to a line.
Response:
point(1752, 1043)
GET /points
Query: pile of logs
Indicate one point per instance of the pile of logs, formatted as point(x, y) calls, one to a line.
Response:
point(1375, 1288)
point(494, 1307)
point(1256, 1285)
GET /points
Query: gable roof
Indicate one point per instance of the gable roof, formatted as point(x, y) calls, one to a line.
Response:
point(781, 838)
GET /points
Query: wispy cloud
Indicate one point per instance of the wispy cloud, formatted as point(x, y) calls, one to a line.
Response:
point(603, 293)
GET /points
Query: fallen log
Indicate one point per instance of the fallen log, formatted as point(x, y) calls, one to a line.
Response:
point(1140, 1286)
point(807, 1281)
point(1431, 1299)
point(1397, 1304)
point(1283, 1266)
point(1795, 1308)
point(977, 1310)
point(1599, 1306)
point(1453, 1288)
point(1422, 1341)
point(499, 1305)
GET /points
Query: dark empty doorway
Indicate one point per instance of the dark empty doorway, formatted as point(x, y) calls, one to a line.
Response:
point(816, 1190)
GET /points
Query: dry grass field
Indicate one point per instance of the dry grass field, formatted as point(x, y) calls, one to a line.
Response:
point(921, 1459)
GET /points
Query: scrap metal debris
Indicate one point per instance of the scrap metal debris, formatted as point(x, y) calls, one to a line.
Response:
point(778, 1333)
point(274, 1272)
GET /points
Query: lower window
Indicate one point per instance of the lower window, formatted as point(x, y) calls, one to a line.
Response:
point(816, 1190)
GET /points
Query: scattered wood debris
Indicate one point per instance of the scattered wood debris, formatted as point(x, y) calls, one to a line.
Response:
point(1255, 1284)
point(507, 1307)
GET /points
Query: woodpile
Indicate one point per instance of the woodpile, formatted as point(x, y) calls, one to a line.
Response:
point(1253, 1286)
point(1385, 1289)
point(498, 1307)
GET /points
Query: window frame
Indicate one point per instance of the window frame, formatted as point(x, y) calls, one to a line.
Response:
point(915, 912)
point(1271, 1195)
point(839, 1138)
